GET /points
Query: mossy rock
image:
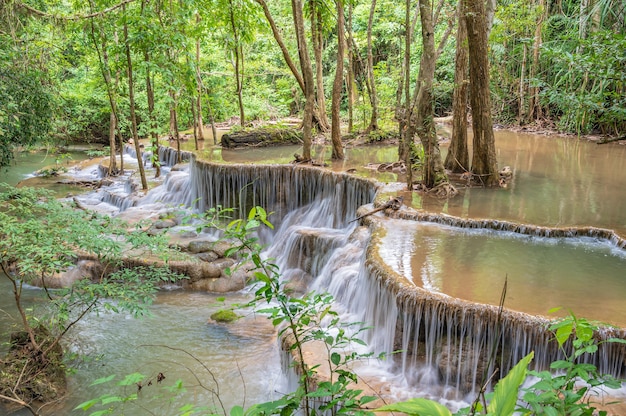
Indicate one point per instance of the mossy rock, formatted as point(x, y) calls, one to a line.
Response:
point(224, 316)
point(261, 137)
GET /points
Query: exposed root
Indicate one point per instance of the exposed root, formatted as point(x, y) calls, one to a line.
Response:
point(444, 190)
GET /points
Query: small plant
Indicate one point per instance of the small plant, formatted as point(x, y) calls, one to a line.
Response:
point(570, 386)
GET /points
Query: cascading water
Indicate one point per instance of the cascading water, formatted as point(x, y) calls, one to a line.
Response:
point(445, 343)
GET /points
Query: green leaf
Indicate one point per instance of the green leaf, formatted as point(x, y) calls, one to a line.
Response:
point(236, 411)
point(506, 391)
point(335, 358)
point(103, 380)
point(417, 407)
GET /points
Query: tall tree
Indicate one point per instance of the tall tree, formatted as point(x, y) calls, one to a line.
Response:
point(100, 43)
point(131, 99)
point(317, 40)
point(237, 60)
point(307, 75)
point(457, 159)
point(370, 71)
point(338, 84)
point(484, 162)
point(434, 175)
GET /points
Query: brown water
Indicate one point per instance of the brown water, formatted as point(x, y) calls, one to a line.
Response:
point(557, 182)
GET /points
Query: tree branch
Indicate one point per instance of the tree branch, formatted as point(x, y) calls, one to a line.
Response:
point(40, 13)
point(281, 44)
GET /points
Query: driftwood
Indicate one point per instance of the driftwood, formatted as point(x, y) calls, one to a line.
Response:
point(611, 139)
point(394, 203)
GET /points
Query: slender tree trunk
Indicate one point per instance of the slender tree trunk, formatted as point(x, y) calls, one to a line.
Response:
point(338, 85)
point(154, 135)
point(201, 135)
point(238, 65)
point(484, 163)
point(457, 159)
point(317, 39)
point(103, 58)
point(131, 98)
point(277, 36)
point(350, 75)
point(307, 71)
point(192, 106)
point(406, 136)
point(522, 88)
point(212, 121)
point(434, 173)
point(370, 71)
point(534, 107)
point(174, 132)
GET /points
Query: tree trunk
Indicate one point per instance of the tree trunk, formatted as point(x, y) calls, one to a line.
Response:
point(201, 135)
point(350, 75)
point(338, 85)
point(238, 65)
point(212, 120)
point(457, 159)
point(433, 171)
point(153, 124)
point(317, 43)
point(521, 111)
point(534, 107)
point(281, 44)
point(403, 113)
point(131, 98)
point(174, 132)
point(106, 74)
point(307, 74)
point(484, 163)
point(370, 71)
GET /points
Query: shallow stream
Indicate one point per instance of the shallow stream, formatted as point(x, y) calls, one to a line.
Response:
point(557, 182)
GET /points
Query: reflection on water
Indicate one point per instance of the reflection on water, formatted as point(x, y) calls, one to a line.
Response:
point(557, 182)
point(580, 275)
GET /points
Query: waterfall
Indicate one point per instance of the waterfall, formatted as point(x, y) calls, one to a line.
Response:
point(441, 340)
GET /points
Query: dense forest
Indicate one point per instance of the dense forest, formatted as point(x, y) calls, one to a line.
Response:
point(95, 70)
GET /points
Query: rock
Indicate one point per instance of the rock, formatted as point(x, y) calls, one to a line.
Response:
point(202, 246)
point(207, 256)
point(224, 316)
point(161, 224)
point(220, 247)
point(224, 262)
point(223, 284)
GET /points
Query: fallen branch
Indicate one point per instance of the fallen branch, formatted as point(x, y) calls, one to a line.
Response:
point(394, 203)
point(611, 139)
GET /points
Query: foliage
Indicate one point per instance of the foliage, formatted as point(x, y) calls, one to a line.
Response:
point(301, 322)
point(40, 239)
point(26, 110)
point(571, 385)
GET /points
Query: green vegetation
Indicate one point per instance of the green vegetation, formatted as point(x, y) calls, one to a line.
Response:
point(64, 67)
point(40, 239)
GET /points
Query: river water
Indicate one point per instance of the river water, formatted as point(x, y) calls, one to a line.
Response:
point(557, 182)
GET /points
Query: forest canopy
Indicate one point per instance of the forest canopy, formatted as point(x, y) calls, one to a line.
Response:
point(65, 66)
